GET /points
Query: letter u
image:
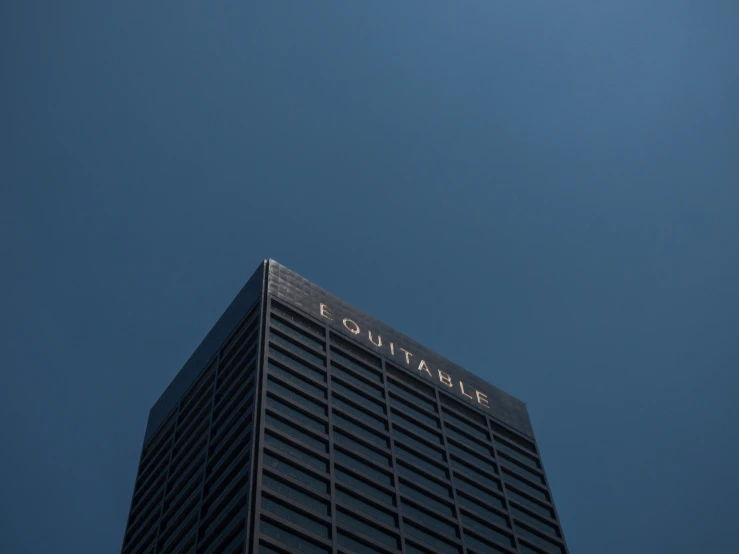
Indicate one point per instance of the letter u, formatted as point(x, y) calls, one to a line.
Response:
point(379, 339)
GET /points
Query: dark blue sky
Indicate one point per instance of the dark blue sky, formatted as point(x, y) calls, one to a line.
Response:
point(545, 193)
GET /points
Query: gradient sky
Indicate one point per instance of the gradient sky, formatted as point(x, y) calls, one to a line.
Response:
point(546, 193)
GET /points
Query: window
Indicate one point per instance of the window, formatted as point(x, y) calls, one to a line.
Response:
point(361, 415)
point(460, 410)
point(513, 437)
point(348, 425)
point(426, 499)
point(296, 318)
point(264, 549)
point(471, 488)
point(295, 348)
point(471, 458)
point(524, 486)
point(355, 350)
point(516, 455)
point(468, 427)
point(223, 530)
point(363, 467)
point(423, 415)
point(357, 546)
point(361, 486)
point(408, 423)
point(434, 522)
point(295, 517)
point(297, 380)
point(530, 504)
point(526, 549)
point(283, 487)
point(481, 546)
point(357, 525)
point(536, 477)
point(237, 341)
point(296, 473)
point(460, 437)
point(288, 537)
point(365, 371)
point(294, 432)
point(234, 382)
point(279, 357)
point(546, 544)
point(544, 527)
point(480, 508)
point(419, 533)
point(352, 379)
point(284, 392)
point(409, 456)
point(486, 530)
point(294, 452)
point(348, 499)
point(200, 390)
point(238, 451)
point(475, 474)
point(295, 333)
point(406, 471)
point(468, 483)
point(369, 453)
point(359, 398)
point(413, 549)
point(245, 359)
point(288, 410)
point(232, 476)
point(416, 444)
point(410, 394)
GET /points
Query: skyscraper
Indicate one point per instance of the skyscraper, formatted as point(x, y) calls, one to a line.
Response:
point(301, 424)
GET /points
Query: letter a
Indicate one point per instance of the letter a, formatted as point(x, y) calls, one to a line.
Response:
point(423, 367)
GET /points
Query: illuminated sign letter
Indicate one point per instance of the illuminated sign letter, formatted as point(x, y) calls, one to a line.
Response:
point(482, 399)
point(354, 329)
point(392, 349)
point(407, 356)
point(325, 312)
point(461, 387)
point(423, 367)
point(379, 339)
point(445, 378)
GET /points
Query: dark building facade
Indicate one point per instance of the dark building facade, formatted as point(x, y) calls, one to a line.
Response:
point(303, 425)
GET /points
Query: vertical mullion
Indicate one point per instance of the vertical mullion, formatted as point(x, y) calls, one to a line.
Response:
point(216, 374)
point(502, 484)
point(440, 413)
point(332, 473)
point(166, 479)
point(401, 527)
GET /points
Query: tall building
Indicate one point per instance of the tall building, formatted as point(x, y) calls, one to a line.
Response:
point(303, 425)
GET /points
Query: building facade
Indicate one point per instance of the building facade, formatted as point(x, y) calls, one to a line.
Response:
point(303, 425)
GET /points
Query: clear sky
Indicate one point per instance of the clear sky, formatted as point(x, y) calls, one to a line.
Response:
point(546, 193)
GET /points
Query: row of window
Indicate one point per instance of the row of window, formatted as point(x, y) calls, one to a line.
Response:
point(301, 521)
point(369, 474)
point(468, 474)
point(180, 481)
point(405, 416)
point(307, 331)
point(464, 423)
point(356, 394)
